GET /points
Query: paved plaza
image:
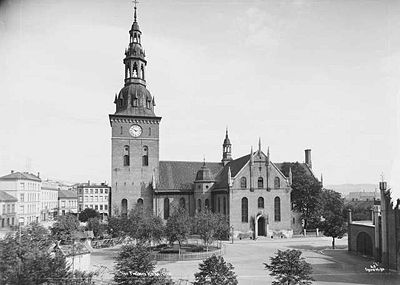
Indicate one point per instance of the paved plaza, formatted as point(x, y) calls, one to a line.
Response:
point(247, 256)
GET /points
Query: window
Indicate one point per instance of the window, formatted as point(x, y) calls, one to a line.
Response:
point(86, 191)
point(105, 191)
point(245, 210)
point(22, 197)
point(140, 202)
point(149, 131)
point(101, 191)
point(243, 182)
point(260, 202)
point(277, 182)
point(91, 191)
point(105, 207)
point(126, 155)
point(101, 207)
point(219, 204)
point(96, 207)
point(8, 208)
point(182, 203)
point(80, 191)
point(277, 209)
point(206, 204)
point(224, 205)
point(4, 208)
point(166, 208)
point(145, 156)
point(13, 208)
point(260, 182)
point(142, 70)
point(96, 191)
point(199, 205)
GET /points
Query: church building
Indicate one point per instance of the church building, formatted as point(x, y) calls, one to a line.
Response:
point(251, 190)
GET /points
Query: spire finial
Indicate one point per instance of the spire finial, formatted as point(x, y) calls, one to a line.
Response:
point(226, 132)
point(204, 160)
point(134, 15)
point(259, 144)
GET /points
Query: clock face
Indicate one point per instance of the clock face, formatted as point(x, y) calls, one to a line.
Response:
point(135, 131)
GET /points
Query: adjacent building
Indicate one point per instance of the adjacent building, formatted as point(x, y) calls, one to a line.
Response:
point(94, 196)
point(26, 188)
point(49, 200)
point(8, 215)
point(67, 202)
point(251, 189)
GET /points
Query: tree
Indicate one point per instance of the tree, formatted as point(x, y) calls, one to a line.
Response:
point(214, 270)
point(211, 226)
point(88, 213)
point(135, 265)
point(178, 226)
point(65, 228)
point(306, 191)
point(24, 258)
point(95, 225)
point(118, 226)
point(289, 268)
point(333, 223)
point(144, 226)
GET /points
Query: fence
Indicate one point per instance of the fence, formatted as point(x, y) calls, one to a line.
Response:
point(102, 243)
point(187, 256)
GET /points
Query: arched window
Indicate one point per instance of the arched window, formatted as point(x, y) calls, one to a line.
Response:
point(166, 208)
point(245, 210)
point(277, 209)
point(140, 202)
point(148, 103)
point(121, 130)
point(219, 205)
point(199, 205)
point(135, 70)
point(260, 182)
point(182, 203)
point(142, 71)
point(243, 182)
point(149, 131)
point(277, 182)
point(145, 156)
point(135, 38)
point(126, 155)
point(207, 204)
point(260, 202)
point(124, 207)
point(224, 206)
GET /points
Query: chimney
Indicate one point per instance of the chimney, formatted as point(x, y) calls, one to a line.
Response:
point(38, 174)
point(12, 171)
point(88, 183)
point(308, 157)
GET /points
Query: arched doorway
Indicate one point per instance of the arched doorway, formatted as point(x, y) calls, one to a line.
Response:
point(364, 244)
point(261, 226)
point(124, 207)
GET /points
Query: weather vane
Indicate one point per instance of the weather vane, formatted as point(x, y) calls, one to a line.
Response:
point(382, 177)
point(135, 3)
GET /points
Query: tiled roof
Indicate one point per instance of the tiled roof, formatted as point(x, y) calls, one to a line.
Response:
point(181, 174)
point(5, 197)
point(20, 175)
point(69, 194)
point(235, 166)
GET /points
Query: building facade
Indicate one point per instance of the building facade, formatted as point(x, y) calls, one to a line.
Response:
point(95, 197)
point(251, 190)
point(49, 200)
point(26, 187)
point(8, 214)
point(67, 202)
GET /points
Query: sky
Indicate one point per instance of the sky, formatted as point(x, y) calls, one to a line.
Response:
point(298, 74)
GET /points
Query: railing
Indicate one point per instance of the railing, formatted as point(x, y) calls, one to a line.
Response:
point(187, 256)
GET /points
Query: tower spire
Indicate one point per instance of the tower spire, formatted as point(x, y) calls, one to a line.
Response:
point(226, 149)
point(134, 13)
point(259, 145)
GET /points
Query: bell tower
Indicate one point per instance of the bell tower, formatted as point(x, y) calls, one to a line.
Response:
point(134, 133)
point(226, 149)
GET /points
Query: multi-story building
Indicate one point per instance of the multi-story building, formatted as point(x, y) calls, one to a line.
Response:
point(26, 187)
point(67, 202)
point(8, 216)
point(49, 200)
point(95, 197)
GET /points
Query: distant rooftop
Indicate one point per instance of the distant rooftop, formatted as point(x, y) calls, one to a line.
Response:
point(21, 176)
point(67, 194)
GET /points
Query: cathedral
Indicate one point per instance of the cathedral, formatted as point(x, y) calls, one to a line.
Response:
point(250, 190)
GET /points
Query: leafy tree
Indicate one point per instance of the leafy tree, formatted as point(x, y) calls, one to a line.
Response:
point(306, 191)
point(135, 265)
point(118, 226)
point(178, 226)
point(65, 228)
point(211, 226)
point(144, 226)
point(88, 213)
point(95, 225)
point(24, 258)
point(214, 270)
point(332, 206)
point(289, 268)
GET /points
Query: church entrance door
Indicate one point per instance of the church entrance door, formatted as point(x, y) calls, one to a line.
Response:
point(261, 226)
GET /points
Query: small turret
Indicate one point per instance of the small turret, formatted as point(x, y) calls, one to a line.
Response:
point(226, 149)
